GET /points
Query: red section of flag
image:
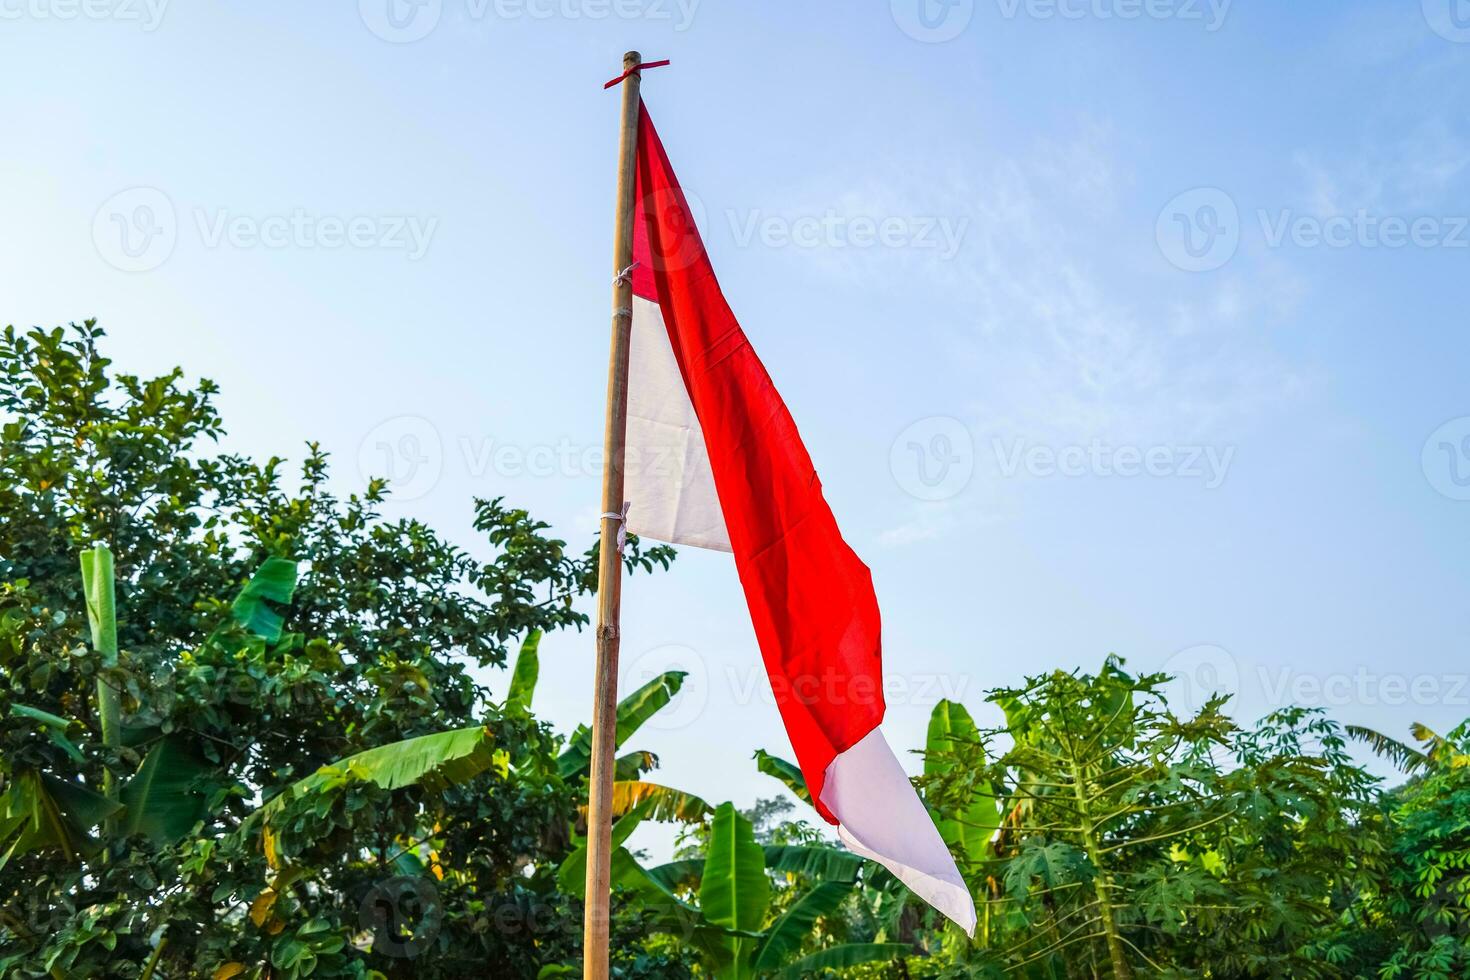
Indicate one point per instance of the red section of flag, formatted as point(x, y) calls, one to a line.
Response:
point(811, 599)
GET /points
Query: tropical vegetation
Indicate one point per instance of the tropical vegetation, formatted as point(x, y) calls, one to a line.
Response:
point(251, 728)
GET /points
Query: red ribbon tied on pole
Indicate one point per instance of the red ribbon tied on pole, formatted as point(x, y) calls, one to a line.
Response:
point(647, 64)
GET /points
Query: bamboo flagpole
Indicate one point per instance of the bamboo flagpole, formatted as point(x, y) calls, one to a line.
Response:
point(609, 561)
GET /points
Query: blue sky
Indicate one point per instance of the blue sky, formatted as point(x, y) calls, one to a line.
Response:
point(1112, 325)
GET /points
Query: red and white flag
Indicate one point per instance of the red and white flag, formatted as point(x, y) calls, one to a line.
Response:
point(715, 461)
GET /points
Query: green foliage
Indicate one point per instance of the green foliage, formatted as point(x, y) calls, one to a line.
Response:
point(1428, 882)
point(750, 910)
point(1136, 842)
point(272, 642)
point(734, 891)
point(263, 733)
point(39, 811)
point(787, 772)
point(527, 672)
point(170, 793)
point(952, 734)
point(842, 957)
point(274, 581)
point(632, 712)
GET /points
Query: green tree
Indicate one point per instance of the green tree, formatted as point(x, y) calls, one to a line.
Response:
point(415, 820)
point(1135, 842)
point(1425, 898)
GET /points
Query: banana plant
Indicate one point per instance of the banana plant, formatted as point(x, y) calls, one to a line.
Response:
point(434, 761)
point(720, 904)
point(734, 898)
point(966, 806)
point(969, 809)
point(39, 810)
point(1438, 750)
point(630, 790)
point(970, 828)
point(173, 789)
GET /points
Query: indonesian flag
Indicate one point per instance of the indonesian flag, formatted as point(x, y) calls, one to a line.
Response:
point(714, 461)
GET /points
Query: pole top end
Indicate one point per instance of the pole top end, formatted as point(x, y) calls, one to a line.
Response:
point(632, 68)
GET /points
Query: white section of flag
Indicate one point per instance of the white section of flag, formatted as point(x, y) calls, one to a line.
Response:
point(671, 490)
point(881, 817)
point(668, 481)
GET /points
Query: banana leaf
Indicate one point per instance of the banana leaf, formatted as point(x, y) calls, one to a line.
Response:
point(669, 804)
point(527, 671)
point(734, 891)
point(822, 863)
point(434, 761)
point(168, 794)
point(39, 811)
point(969, 830)
point(840, 957)
point(55, 727)
point(789, 773)
point(633, 711)
point(786, 935)
point(274, 581)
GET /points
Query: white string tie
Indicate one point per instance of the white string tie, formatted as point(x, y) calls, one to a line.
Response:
point(625, 278)
point(622, 520)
